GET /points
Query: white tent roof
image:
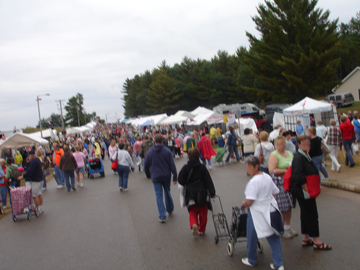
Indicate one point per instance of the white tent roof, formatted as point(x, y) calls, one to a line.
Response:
point(201, 110)
point(185, 113)
point(19, 140)
point(201, 118)
point(174, 119)
point(307, 105)
point(47, 133)
point(91, 125)
point(77, 130)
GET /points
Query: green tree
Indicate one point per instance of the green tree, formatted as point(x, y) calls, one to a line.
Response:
point(74, 109)
point(295, 55)
point(163, 96)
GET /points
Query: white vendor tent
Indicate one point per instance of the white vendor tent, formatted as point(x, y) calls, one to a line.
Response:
point(307, 106)
point(278, 119)
point(185, 114)
point(174, 119)
point(199, 119)
point(77, 130)
point(91, 125)
point(201, 110)
point(47, 133)
point(19, 140)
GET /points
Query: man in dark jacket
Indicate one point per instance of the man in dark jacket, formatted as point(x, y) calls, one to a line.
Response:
point(34, 174)
point(231, 142)
point(159, 165)
point(68, 165)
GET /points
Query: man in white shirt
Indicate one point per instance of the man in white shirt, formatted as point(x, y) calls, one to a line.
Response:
point(321, 130)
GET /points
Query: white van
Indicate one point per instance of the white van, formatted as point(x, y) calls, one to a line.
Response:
point(341, 100)
point(245, 108)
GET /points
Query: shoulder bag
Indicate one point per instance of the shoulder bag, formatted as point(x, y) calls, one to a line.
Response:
point(185, 186)
point(114, 165)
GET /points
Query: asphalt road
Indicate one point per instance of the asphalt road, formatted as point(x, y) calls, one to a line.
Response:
point(97, 227)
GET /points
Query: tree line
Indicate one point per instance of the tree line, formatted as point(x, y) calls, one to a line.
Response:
point(300, 53)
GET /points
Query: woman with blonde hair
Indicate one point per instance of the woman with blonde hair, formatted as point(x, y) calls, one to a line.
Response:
point(279, 162)
point(334, 140)
point(112, 149)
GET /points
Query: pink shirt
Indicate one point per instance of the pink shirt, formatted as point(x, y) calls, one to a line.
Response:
point(79, 157)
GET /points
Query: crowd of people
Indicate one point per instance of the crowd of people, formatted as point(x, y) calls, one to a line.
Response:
point(152, 150)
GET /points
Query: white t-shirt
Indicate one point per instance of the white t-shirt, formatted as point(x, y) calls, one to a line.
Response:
point(260, 186)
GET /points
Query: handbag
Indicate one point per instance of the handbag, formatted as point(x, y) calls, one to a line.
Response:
point(185, 188)
point(114, 165)
point(261, 157)
point(325, 148)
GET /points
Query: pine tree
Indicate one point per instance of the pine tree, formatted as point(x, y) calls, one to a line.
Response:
point(294, 57)
point(163, 96)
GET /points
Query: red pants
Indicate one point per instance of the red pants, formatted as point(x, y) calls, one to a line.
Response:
point(198, 216)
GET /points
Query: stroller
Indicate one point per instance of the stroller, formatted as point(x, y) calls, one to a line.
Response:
point(238, 226)
point(220, 153)
point(95, 166)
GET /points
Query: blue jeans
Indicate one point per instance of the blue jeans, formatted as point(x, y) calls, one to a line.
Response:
point(233, 148)
point(318, 163)
point(158, 187)
point(357, 133)
point(70, 174)
point(59, 175)
point(204, 161)
point(4, 191)
point(123, 172)
point(347, 147)
point(252, 240)
point(44, 182)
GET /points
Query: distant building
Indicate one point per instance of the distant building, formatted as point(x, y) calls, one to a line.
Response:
point(350, 84)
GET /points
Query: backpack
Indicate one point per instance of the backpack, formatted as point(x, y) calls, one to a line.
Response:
point(15, 174)
point(287, 179)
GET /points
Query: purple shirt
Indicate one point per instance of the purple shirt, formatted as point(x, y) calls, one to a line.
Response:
point(79, 157)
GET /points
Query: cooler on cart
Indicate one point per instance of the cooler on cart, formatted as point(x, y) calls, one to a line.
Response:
point(95, 167)
point(22, 203)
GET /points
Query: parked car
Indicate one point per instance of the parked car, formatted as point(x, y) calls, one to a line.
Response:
point(270, 109)
point(341, 100)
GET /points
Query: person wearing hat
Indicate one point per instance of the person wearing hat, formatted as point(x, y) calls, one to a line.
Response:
point(34, 174)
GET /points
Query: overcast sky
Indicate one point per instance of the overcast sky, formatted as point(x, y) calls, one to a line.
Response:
point(91, 47)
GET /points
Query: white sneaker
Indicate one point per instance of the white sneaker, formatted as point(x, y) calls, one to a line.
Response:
point(60, 186)
point(125, 189)
point(210, 167)
point(339, 168)
point(287, 234)
point(81, 185)
point(195, 229)
point(44, 189)
point(78, 184)
point(120, 188)
point(273, 267)
point(246, 262)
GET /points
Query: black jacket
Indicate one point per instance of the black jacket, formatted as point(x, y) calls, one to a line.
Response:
point(315, 147)
point(199, 184)
point(301, 167)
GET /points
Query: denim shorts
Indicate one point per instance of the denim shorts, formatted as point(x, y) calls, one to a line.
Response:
point(80, 170)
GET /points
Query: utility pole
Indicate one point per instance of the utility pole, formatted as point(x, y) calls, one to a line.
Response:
point(37, 100)
point(62, 117)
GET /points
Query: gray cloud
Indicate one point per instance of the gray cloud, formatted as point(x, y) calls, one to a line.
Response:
point(91, 47)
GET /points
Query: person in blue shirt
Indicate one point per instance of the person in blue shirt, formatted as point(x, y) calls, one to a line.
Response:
point(299, 129)
point(356, 124)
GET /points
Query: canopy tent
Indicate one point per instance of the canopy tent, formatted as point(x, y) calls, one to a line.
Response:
point(19, 140)
point(156, 119)
point(174, 119)
point(245, 123)
point(124, 120)
point(185, 114)
point(201, 110)
point(199, 119)
point(145, 123)
point(91, 125)
point(307, 106)
point(47, 133)
point(77, 130)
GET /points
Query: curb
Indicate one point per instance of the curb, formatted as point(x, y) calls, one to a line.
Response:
point(338, 185)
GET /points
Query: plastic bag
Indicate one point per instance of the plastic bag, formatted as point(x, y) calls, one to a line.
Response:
point(182, 198)
point(355, 149)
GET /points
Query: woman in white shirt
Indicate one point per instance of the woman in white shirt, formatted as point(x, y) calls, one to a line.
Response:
point(249, 142)
point(261, 202)
point(124, 164)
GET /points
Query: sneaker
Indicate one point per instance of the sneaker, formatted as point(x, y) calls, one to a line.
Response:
point(44, 189)
point(209, 167)
point(246, 262)
point(78, 184)
point(68, 190)
point(162, 220)
point(201, 233)
point(326, 178)
point(171, 214)
point(82, 185)
point(293, 232)
point(125, 189)
point(287, 234)
point(339, 168)
point(120, 188)
point(352, 165)
point(60, 186)
point(195, 229)
point(273, 267)
point(73, 188)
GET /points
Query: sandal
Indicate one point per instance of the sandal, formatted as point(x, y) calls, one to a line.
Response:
point(307, 243)
point(322, 246)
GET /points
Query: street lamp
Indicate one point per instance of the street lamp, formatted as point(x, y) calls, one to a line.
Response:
point(38, 99)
